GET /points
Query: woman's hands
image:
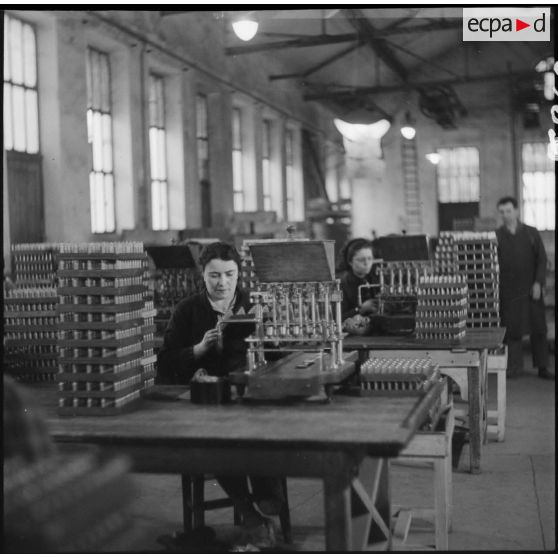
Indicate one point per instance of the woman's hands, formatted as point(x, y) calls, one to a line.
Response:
point(369, 306)
point(210, 339)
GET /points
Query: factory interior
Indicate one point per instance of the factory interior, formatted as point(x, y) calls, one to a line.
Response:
point(278, 280)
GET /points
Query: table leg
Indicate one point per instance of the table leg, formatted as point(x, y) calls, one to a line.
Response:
point(474, 376)
point(187, 503)
point(484, 395)
point(337, 502)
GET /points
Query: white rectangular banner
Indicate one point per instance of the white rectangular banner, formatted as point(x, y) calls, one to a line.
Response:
point(506, 24)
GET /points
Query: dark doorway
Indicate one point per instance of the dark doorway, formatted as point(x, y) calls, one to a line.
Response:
point(25, 197)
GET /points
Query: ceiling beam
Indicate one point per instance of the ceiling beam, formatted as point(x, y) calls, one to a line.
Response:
point(378, 89)
point(422, 59)
point(319, 66)
point(317, 40)
point(367, 33)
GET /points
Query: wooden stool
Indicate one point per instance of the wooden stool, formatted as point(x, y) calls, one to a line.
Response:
point(433, 448)
point(195, 505)
point(497, 364)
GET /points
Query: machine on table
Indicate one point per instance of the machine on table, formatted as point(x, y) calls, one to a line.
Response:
point(297, 310)
point(405, 259)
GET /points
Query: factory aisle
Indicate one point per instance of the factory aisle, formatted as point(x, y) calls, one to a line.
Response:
point(508, 507)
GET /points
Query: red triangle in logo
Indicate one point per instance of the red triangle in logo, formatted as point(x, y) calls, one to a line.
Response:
point(519, 24)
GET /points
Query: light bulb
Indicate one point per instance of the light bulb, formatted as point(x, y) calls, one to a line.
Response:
point(408, 132)
point(434, 158)
point(245, 29)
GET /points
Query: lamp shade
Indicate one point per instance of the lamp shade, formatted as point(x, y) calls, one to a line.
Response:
point(245, 29)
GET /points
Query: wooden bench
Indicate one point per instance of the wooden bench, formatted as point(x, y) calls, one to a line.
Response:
point(433, 449)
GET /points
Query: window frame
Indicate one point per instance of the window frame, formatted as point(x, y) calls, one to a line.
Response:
point(267, 164)
point(161, 183)
point(10, 84)
point(238, 159)
point(460, 197)
point(107, 219)
point(549, 169)
point(203, 171)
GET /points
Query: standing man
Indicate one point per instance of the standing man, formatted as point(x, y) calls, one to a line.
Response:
point(522, 260)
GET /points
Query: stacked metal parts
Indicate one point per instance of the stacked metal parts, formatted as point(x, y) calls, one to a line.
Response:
point(441, 307)
point(148, 344)
point(398, 374)
point(31, 333)
point(35, 264)
point(44, 501)
point(102, 316)
point(473, 255)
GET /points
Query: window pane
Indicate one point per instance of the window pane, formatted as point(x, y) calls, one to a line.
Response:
point(106, 122)
point(16, 50)
point(237, 131)
point(161, 154)
point(88, 80)
point(95, 80)
point(93, 201)
point(18, 99)
point(201, 116)
point(7, 54)
point(155, 202)
point(152, 102)
point(30, 56)
point(538, 187)
point(153, 153)
point(109, 202)
point(105, 82)
point(160, 103)
point(8, 111)
point(238, 201)
point(32, 121)
point(97, 142)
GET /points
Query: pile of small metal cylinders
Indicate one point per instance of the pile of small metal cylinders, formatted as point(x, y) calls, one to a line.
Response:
point(441, 307)
point(398, 374)
point(35, 264)
point(101, 307)
point(149, 357)
point(475, 256)
point(31, 333)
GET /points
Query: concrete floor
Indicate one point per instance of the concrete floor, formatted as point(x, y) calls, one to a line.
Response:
point(510, 506)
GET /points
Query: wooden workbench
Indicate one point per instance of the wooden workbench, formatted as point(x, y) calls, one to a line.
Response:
point(464, 360)
point(347, 443)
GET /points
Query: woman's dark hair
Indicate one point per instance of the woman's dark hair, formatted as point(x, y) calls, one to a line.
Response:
point(350, 249)
point(219, 251)
point(507, 199)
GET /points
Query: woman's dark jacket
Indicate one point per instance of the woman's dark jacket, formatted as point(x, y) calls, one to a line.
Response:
point(192, 317)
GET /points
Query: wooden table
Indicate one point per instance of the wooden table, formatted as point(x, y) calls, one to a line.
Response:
point(346, 443)
point(464, 360)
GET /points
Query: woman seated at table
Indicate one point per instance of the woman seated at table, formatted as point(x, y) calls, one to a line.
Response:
point(357, 259)
point(192, 342)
